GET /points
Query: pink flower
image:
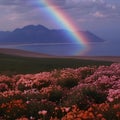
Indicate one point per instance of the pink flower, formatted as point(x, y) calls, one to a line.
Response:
point(67, 109)
point(43, 112)
point(110, 99)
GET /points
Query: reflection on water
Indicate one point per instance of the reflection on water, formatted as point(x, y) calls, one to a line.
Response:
point(103, 49)
point(58, 49)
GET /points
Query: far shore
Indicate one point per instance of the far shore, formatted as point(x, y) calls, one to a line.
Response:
point(23, 53)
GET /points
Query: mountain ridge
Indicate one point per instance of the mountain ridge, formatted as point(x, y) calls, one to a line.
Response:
point(41, 34)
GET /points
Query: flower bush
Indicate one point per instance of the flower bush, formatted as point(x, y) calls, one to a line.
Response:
point(85, 93)
point(104, 111)
point(67, 82)
point(55, 94)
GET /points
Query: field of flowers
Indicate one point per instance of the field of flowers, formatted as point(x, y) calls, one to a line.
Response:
point(84, 93)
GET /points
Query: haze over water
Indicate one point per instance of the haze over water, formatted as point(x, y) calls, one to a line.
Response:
point(97, 49)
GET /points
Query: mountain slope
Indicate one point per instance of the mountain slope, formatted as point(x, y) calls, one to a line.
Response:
point(41, 34)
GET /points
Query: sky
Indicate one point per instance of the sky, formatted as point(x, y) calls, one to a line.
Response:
point(95, 15)
point(102, 17)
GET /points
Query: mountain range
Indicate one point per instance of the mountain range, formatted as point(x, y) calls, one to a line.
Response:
point(41, 34)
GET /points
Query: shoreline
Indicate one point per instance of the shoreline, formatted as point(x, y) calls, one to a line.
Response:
point(23, 53)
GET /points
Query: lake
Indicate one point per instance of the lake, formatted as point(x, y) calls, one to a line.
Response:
point(61, 49)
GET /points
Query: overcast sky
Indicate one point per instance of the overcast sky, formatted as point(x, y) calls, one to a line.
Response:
point(93, 15)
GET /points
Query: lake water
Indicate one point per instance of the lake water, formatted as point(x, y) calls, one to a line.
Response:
point(97, 49)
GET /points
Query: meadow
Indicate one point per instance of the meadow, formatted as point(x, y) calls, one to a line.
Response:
point(58, 89)
point(16, 65)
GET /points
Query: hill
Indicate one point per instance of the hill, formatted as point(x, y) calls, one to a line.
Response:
point(22, 53)
point(41, 34)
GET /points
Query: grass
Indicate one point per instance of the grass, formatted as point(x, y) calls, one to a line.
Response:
point(15, 65)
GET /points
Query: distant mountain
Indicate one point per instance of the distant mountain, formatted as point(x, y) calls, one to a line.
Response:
point(41, 34)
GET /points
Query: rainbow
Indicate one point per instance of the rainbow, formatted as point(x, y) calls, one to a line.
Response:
point(66, 22)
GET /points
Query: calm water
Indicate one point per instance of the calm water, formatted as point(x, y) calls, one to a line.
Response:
point(104, 49)
point(58, 49)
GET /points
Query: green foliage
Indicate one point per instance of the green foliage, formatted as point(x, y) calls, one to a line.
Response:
point(94, 95)
point(76, 97)
point(22, 87)
point(84, 97)
point(86, 72)
point(68, 82)
point(33, 107)
point(55, 95)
